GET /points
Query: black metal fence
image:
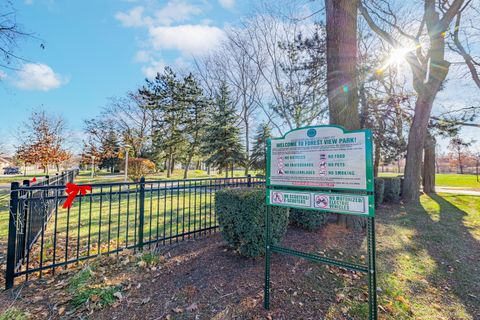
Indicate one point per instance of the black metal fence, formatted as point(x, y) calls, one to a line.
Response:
point(110, 218)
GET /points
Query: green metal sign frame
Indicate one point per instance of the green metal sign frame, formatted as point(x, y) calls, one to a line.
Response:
point(303, 197)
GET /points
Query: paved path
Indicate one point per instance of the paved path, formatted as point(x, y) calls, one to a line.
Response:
point(464, 191)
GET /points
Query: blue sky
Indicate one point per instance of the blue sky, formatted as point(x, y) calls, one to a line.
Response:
point(96, 50)
point(99, 49)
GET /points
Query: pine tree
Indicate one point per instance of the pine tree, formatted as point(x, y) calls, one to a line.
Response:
point(258, 157)
point(110, 149)
point(164, 95)
point(222, 143)
point(197, 108)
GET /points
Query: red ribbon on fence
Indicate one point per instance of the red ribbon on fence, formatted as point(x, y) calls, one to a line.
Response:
point(72, 190)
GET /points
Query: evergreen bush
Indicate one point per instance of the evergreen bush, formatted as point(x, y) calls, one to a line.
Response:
point(241, 216)
point(308, 219)
point(379, 191)
point(392, 189)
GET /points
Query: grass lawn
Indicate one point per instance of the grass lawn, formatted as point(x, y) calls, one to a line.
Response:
point(20, 178)
point(105, 177)
point(457, 180)
point(428, 259)
point(467, 181)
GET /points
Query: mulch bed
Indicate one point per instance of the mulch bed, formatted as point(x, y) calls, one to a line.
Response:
point(204, 279)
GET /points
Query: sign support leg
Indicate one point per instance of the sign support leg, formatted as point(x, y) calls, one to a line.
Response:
point(372, 281)
point(266, 295)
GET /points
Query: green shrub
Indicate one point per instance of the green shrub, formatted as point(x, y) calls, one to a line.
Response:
point(379, 191)
point(392, 189)
point(308, 219)
point(240, 213)
point(13, 314)
point(102, 296)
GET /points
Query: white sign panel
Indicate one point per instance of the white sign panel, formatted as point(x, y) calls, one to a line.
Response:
point(332, 202)
point(323, 157)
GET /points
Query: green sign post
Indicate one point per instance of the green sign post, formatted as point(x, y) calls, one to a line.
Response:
point(323, 168)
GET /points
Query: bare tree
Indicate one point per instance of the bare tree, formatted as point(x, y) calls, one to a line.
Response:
point(132, 121)
point(231, 65)
point(292, 67)
point(427, 63)
point(10, 33)
point(460, 148)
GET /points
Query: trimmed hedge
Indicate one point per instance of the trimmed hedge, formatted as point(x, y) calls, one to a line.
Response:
point(308, 219)
point(240, 213)
point(393, 187)
point(379, 191)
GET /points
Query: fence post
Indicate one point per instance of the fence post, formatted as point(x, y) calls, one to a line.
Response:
point(141, 209)
point(249, 180)
point(12, 236)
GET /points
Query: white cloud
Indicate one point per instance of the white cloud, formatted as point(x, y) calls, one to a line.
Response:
point(173, 11)
point(3, 75)
point(28, 2)
point(176, 11)
point(142, 56)
point(168, 29)
point(37, 76)
point(154, 67)
point(189, 39)
point(227, 4)
point(132, 18)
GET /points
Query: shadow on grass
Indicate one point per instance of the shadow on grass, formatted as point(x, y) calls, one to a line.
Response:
point(457, 254)
point(445, 253)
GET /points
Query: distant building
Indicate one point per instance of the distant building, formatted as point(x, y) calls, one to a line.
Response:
point(5, 162)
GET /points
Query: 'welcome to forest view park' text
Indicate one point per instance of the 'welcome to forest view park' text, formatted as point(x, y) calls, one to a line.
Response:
point(227, 159)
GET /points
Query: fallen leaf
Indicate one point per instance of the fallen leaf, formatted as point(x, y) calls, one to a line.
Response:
point(118, 295)
point(177, 310)
point(61, 311)
point(192, 307)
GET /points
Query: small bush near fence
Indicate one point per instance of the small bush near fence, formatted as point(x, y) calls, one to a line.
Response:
point(379, 191)
point(308, 219)
point(392, 189)
point(240, 213)
point(139, 167)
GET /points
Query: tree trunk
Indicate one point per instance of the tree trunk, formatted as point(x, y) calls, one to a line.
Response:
point(476, 168)
point(226, 171)
point(247, 139)
point(416, 138)
point(429, 165)
point(187, 166)
point(460, 165)
point(418, 131)
point(342, 62)
point(342, 89)
point(170, 164)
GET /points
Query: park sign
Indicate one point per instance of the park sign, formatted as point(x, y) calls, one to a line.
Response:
point(321, 157)
point(322, 168)
point(357, 204)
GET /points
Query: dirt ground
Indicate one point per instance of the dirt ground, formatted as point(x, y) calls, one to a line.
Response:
point(203, 279)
